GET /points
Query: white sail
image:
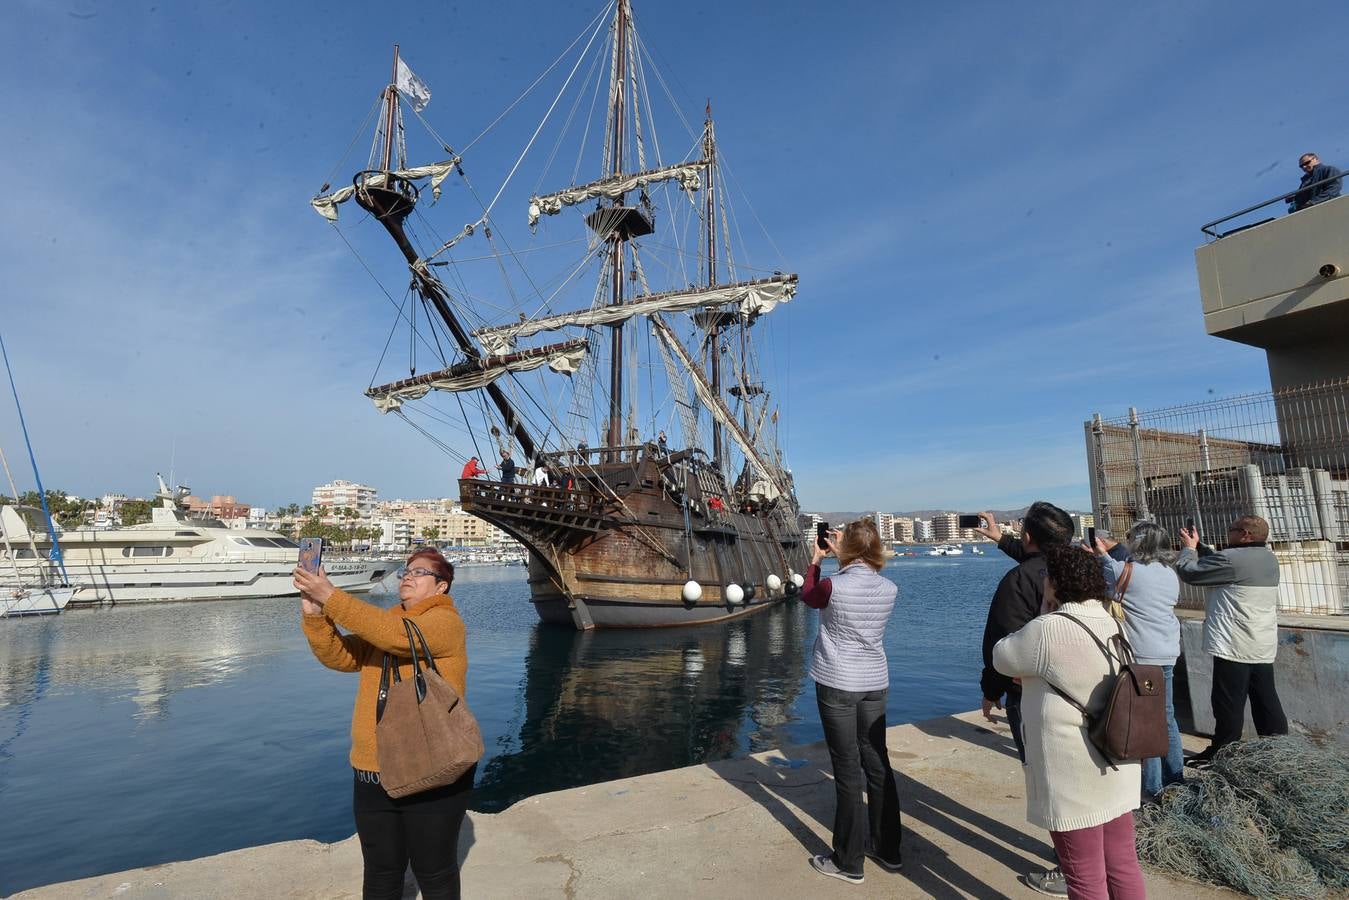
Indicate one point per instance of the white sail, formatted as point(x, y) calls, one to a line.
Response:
point(326, 205)
point(754, 298)
point(719, 410)
point(566, 360)
point(689, 176)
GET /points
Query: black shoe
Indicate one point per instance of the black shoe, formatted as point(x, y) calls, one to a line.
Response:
point(885, 864)
point(1201, 760)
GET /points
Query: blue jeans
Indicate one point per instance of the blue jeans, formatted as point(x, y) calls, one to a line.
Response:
point(854, 729)
point(1160, 771)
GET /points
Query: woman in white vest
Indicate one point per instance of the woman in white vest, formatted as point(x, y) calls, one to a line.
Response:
point(1085, 803)
point(852, 682)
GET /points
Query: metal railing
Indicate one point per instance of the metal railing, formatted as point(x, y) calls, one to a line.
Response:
point(1208, 227)
point(1281, 455)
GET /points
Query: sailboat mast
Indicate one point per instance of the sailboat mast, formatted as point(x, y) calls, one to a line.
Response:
point(390, 199)
point(714, 336)
point(390, 112)
point(615, 435)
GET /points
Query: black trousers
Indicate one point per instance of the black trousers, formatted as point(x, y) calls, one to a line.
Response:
point(1233, 682)
point(854, 729)
point(422, 829)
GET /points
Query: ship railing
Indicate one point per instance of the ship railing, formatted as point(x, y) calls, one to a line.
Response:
point(1208, 227)
point(579, 498)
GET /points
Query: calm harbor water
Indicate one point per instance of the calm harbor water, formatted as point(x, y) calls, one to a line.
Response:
point(143, 734)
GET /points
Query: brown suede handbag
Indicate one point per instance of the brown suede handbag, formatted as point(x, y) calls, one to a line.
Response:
point(1133, 724)
point(425, 735)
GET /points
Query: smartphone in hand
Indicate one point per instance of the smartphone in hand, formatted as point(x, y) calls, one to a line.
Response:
point(821, 533)
point(1091, 537)
point(1189, 526)
point(311, 554)
point(969, 522)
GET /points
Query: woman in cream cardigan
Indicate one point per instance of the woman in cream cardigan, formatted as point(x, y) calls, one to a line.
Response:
point(1085, 804)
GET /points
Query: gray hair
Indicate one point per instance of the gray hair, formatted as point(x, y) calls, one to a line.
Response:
point(1149, 542)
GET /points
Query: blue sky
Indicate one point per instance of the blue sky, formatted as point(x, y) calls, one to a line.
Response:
point(993, 209)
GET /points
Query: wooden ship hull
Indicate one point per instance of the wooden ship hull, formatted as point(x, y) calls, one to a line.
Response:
point(617, 547)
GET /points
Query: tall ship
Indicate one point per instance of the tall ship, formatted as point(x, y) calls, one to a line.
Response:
point(630, 357)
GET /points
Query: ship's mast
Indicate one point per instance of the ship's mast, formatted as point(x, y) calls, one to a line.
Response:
point(714, 342)
point(390, 112)
point(619, 236)
point(390, 199)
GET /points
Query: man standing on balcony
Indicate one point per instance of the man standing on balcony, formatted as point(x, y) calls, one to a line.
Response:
point(507, 468)
point(1241, 628)
point(1313, 171)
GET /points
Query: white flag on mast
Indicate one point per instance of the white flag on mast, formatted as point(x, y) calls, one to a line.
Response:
point(412, 87)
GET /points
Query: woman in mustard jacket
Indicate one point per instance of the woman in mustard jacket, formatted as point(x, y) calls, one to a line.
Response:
point(422, 828)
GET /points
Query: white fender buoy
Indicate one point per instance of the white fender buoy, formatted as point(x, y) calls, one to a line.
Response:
point(773, 583)
point(735, 594)
point(798, 579)
point(693, 592)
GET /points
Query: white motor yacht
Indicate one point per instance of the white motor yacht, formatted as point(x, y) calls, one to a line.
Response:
point(946, 550)
point(175, 556)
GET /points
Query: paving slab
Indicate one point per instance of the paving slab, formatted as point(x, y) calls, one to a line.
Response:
point(737, 829)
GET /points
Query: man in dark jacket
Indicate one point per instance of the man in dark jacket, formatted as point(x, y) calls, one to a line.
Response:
point(1017, 600)
point(1313, 171)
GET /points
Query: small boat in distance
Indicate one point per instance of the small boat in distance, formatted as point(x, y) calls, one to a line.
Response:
point(946, 550)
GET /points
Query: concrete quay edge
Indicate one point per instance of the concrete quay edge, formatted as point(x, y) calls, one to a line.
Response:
point(729, 829)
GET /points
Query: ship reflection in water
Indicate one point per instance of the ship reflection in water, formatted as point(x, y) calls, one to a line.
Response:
point(601, 705)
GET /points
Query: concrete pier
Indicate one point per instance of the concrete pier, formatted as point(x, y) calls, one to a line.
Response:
point(736, 829)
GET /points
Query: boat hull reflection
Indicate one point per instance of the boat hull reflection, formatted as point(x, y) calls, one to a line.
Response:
point(606, 704)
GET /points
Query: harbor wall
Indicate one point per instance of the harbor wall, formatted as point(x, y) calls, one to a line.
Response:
point(1311, 672)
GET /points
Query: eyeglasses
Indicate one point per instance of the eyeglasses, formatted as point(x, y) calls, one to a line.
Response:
point(415, 573)
point(1306, 164)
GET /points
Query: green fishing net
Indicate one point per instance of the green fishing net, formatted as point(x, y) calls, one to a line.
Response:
point(1269, 818)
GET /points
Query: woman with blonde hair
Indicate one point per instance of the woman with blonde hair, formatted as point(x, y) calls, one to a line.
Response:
point(852, 683)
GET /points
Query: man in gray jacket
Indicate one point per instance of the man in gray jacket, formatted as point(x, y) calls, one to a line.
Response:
point(1241, 627)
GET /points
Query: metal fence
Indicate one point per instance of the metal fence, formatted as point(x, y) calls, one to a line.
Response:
point(1281, 455)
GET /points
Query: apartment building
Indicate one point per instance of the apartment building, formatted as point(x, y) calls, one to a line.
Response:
point(340, 494)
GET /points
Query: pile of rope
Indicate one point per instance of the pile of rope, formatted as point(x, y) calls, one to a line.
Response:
point(1269, 818)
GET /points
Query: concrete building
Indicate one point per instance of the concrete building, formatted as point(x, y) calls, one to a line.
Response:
point(339, 494)
point(885, 525)
point(394, 534)
point(922, 531)
point(1081, 522)
point(902, 530)
point(221, 506)
point(946, 529)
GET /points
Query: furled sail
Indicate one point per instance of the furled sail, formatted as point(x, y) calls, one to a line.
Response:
point(473, 374)
point(326, 205)
point(689, 176)
point(754, 298)
point(717, 406)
